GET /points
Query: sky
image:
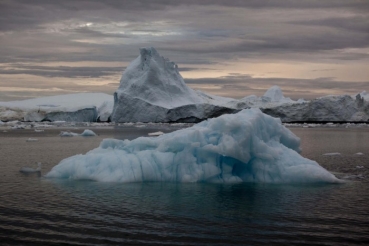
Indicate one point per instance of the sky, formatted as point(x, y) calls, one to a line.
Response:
point(235, 48)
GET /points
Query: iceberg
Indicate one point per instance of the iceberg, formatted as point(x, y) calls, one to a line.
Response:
point(249, 146)
point(328, 108)
point(152, 90)
point(275, 95)
point(79, 107)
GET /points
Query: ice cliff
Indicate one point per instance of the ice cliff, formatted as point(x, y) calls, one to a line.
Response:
point(245, 147)
point(152, 90)
point(79, 107)
point(328, 108)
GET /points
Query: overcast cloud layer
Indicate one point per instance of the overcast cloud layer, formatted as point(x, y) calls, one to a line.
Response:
point(230, 48)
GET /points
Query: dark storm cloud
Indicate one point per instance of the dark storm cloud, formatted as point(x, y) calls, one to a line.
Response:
point(72, 72)
point(86, 32)
point(191, 33)
point(63, 71)
point(23, 14)
point(355, 23)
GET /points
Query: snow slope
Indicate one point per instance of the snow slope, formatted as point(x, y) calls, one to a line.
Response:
point(245, 147)
point(69, 107)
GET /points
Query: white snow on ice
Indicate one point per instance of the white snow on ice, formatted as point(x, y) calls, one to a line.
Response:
point(245, 147)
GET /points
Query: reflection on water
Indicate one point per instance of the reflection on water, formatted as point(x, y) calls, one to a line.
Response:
point(42, 211)
point(92, 213)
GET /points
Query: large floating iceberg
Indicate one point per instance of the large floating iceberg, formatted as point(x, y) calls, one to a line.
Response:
point(152, 90)
point(327, 108)
point(245, 147)
point(79, 107)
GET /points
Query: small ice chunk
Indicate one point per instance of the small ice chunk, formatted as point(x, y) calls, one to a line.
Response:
point(85, 133)
point(30, 169)
point(32, 140)
point(359, 153)
point(88, 133)
point(68, 134)
point(353, 176)
point(156, 133)
point(359, 167)
point(39, 130)
point(332, 154)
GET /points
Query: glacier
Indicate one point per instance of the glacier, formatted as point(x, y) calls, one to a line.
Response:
point(249, 146)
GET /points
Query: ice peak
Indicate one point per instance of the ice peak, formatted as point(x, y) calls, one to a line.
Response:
point(274, 93)
point(147, 54)
point(156, 80)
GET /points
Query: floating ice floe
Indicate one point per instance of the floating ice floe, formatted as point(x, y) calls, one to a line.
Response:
point(354, 176)
point(32, 140)
point(155, 133)
point(332, 154)
point(359, 167)
point(85, 133)
point(27, 170)
point(359, 153)
point(245, 147)
point(39, 130)
point(68, 134)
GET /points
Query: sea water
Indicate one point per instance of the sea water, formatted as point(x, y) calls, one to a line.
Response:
point(35, 210)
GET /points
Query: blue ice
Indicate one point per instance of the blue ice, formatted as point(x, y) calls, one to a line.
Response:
point(245, 147)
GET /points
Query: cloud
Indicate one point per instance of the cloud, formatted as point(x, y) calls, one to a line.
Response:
point(239, 86)
point(62, 71)
point(198, 35)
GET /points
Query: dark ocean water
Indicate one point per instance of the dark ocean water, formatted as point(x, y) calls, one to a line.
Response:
point(38, 211)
